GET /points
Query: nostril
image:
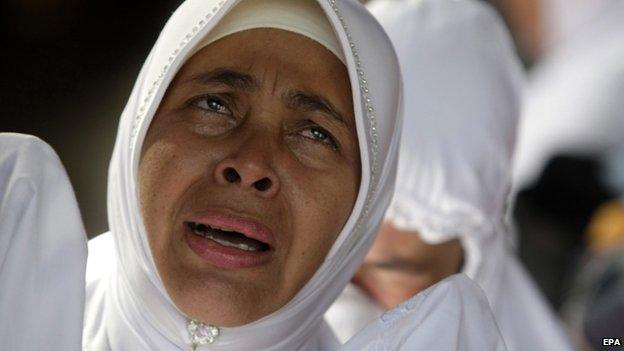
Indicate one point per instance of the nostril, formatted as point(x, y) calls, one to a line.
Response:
point(263, 184)
point(231, 175)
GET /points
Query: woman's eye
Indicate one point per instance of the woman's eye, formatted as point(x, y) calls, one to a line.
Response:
point(213, 105)
point(320, 135)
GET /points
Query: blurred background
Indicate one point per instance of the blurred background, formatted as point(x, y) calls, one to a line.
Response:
point(68, 67)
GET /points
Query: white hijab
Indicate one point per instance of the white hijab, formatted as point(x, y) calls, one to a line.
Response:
point(128, 308)
point(462, 103)
point(463, 85)
point(42, 249)
point(563, 20)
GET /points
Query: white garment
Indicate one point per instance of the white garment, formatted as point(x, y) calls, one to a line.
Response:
point(127, 305)
point(462, 100)
point(574, 97)
point(42, 249)
point(563, 20)
point(452, 315)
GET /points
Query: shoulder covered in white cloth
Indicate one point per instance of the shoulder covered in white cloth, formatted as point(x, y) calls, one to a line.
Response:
point(42, 249)
point(455, 310)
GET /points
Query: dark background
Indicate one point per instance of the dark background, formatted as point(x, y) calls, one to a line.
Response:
point(67, 70)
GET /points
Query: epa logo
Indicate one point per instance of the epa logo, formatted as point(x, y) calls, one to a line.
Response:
point(611, 342)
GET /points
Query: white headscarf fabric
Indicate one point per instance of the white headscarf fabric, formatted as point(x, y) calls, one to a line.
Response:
point(452, 315)
point(463, 85)
point(128, 308)
point(302, 17)
point(42, 249)
point(574, 95)
point(563, 20)
point(462, 103)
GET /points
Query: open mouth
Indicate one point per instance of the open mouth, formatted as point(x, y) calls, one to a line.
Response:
point(227, 237)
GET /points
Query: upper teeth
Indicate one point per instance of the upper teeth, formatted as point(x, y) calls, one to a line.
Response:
point(222, 229)
point(200, 229)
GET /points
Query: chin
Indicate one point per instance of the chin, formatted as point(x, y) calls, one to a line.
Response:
point(212, 295)
point(221, 305)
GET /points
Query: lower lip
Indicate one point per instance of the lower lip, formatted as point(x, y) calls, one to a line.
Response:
point(223, 256)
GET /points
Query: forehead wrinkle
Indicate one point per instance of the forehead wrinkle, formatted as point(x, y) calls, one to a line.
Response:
point(270, 79)
point(275, 80)
point(226, 76)
point(396, 263)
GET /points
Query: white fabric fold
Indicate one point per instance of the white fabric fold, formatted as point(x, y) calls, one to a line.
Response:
point(42, 249)
point(452, 315)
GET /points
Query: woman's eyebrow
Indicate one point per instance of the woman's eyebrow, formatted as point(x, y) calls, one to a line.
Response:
point(228, 77)
point(301, 100)
point(396, 264)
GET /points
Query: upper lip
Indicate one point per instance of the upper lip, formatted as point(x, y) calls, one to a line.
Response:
point(251, 228)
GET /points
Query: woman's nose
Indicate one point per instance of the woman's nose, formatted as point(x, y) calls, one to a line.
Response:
point(251, 172)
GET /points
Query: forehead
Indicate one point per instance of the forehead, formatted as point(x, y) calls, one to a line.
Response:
point(272, 53)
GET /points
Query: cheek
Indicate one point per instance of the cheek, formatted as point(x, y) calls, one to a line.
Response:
point(165, 174)
point(390, 288)
point(155, 191)
point(322, 204)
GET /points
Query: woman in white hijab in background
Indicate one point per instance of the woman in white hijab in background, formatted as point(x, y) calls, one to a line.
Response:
point(462, 101)
point(43, 249)
point(153, 277)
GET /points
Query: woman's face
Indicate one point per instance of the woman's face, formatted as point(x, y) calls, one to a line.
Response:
point(248, 172)
point(400, 264)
